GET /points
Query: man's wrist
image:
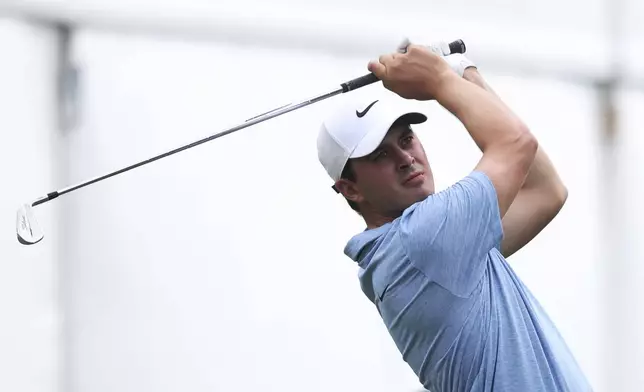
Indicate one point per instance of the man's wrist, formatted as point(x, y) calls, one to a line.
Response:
point(448, 84)
point(472, 74)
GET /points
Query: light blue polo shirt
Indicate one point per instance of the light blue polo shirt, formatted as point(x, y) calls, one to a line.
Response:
point(457, 312)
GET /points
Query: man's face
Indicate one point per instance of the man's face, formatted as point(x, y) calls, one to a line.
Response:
point(393, 177)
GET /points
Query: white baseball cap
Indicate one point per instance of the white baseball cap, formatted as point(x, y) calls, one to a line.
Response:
point(358, 127)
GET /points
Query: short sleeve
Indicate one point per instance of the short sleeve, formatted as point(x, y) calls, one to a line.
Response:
point(449, 235)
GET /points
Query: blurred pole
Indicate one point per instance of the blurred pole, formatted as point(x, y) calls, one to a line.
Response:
point(67, 78)
point(621, 336)
point(67, 114)
point(609, 199)
point(611, 228)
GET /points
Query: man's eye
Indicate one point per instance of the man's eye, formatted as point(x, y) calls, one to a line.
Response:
point(379, 155)
point(408, 139)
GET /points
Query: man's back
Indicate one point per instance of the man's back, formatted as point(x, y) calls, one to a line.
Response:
point(458, 313)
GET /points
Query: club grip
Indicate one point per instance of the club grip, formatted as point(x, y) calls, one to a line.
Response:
point(359, 82)
point(457, 46)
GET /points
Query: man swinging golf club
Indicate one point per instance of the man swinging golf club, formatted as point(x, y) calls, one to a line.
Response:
point(434, 263)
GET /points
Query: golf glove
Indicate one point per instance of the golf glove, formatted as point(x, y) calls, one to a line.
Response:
point(457, 61)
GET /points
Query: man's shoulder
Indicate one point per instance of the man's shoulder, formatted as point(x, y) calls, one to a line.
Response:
point(371, 240)
point(381, 259)
point(454, 203)
point(474, 180)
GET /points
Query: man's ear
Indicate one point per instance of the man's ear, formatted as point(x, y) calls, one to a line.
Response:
point(349, 190)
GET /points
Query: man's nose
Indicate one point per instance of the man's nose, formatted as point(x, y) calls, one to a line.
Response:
point(405, 160)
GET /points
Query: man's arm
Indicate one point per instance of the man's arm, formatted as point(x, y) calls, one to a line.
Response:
point(506, 142)
point(508, 146)
point(539, 200)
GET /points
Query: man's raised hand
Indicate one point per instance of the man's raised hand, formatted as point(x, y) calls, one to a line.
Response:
point(417, 74)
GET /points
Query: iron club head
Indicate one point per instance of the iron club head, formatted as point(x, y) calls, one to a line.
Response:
point(27, 227)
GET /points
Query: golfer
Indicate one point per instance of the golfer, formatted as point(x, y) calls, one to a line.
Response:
point(434, 263)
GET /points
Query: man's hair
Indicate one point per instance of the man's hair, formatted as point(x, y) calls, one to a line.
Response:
point(349, 174)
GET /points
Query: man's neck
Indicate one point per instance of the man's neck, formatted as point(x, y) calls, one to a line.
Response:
point(375, 220)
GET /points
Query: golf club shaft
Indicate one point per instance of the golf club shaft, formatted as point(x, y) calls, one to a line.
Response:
point(455, 47)
point(246, 124)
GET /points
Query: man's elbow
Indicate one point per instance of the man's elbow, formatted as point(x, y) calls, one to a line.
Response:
point(526, 144)
point(554, 196)
point(559, 195)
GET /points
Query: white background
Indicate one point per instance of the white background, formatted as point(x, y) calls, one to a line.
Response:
point(221, 268)
point(29, 306)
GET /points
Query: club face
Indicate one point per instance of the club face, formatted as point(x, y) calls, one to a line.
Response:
point(27, 227)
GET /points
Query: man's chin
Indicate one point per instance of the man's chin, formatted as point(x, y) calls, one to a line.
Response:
point(415, 197)
point(421, 192)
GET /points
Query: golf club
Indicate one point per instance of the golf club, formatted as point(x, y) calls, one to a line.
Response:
point(29, 231)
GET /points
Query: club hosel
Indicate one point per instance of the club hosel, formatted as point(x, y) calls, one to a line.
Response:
point(44, 199)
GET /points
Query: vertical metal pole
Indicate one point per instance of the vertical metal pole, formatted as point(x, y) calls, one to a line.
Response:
point(67, 109)
point(67, 72)
point(615, 288)
point(610, 224)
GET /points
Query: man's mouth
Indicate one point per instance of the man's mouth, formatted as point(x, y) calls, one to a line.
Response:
point(412, 177)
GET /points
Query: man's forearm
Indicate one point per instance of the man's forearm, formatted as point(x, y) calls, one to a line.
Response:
point(542, 173)
point(490, 123)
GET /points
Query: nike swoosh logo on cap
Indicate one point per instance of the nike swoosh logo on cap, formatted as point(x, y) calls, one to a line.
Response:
point(362, 113)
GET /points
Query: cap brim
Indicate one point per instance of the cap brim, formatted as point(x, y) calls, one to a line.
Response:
point(373, 139)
